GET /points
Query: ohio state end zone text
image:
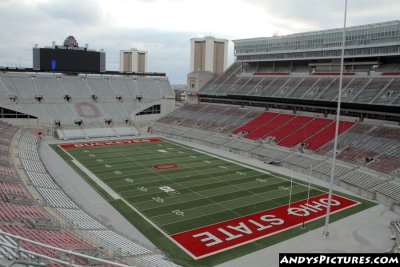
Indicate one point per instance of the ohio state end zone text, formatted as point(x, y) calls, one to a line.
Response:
point(222, 236)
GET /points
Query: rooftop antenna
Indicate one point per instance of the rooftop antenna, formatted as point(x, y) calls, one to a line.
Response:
point(328, 208)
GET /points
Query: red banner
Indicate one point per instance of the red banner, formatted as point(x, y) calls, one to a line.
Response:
point(212, 239)
point(110, 143)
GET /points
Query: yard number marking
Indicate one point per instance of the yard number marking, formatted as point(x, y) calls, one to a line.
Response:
point(143, 189)
point(169, 190)
point(178, 212)
point(158, 199)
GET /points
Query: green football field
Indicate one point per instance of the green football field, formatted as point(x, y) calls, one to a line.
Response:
point(168, 190)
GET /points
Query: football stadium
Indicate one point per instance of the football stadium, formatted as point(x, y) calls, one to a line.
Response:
point(103, 168)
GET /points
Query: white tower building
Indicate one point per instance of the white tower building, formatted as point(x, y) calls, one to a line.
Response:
point(208, 54)
point(133, 60)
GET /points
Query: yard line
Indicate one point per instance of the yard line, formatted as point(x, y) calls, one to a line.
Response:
point(211, 195)
point(188, 189)
point(188, 169)
point(183, 200)
point(177, 176)
point(206, 215)
point(180, 176)
point(264, 199)
point(94, 164)
point(247, 166)
point(239, 187)
point(188, 186)
point(196, 187)
point(214, 195)
point(139, 181)
point(183, 179)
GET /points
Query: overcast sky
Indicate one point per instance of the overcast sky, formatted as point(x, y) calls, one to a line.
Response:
point(164, 27)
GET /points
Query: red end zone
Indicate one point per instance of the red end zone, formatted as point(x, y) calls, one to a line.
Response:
point(110, 143)
point(222, 236)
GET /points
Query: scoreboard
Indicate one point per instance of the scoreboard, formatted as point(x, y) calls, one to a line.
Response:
point(68, 58)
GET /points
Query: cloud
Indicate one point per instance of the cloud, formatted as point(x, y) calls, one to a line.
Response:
point(309, 15)
point(164, 27)
point(75, 12)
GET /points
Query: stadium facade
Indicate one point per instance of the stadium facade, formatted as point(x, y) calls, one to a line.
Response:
point(373, 40)
point(301, 72)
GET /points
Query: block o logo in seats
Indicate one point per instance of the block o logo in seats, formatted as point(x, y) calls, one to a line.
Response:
point(87, 110)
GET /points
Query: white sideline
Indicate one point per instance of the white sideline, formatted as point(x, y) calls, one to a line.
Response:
point(95, 179)
point(92, 176)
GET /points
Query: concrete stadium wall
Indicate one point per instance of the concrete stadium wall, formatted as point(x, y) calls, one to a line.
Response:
point(359, 191)
point(396, 208)
point(385, 200)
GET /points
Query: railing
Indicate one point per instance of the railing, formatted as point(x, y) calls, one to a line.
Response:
point(69, 254)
